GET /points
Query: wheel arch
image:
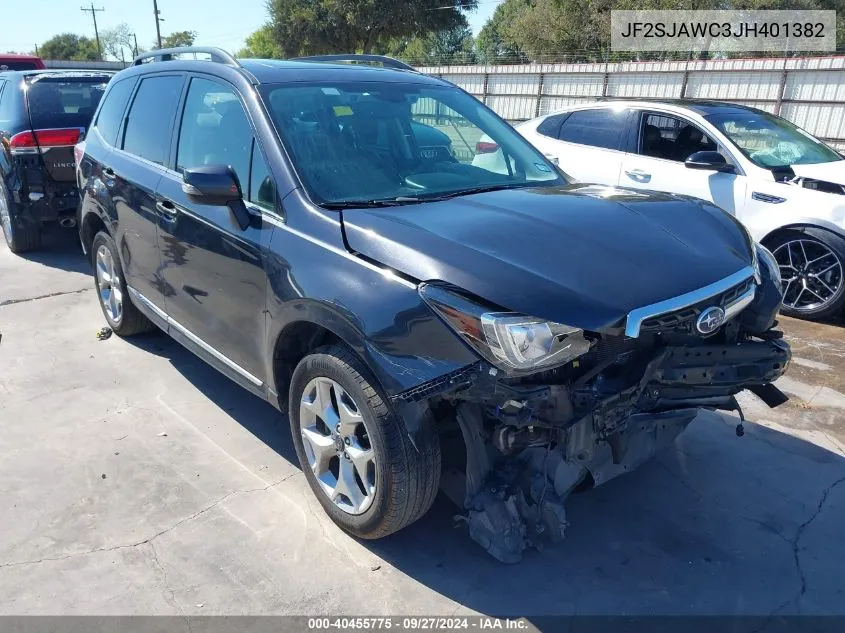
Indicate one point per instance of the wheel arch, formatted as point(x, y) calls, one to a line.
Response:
point(90, 224)
point(802, 225)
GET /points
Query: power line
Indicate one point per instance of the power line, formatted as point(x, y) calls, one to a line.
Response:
point(93, 12)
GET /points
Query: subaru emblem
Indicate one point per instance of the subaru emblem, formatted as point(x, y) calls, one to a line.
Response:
point(710, 320)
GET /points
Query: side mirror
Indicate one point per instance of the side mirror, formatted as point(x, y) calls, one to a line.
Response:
point(711, 161)
point(216, 185)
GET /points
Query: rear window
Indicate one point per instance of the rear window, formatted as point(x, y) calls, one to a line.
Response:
point(65, 102)
point(8, 64)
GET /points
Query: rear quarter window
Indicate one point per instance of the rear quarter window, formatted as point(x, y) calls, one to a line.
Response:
point(602, 127)
point(550, 126)
point(64, 102)
point(114, 105)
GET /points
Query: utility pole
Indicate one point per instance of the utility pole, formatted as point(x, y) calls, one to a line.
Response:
point(135, 37)
point(158, 20)
point(93, 12)
point(37, 54)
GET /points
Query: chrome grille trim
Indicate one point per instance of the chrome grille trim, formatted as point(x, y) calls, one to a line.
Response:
point(637, 316)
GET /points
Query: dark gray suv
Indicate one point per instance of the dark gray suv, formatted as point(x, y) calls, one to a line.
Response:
point(318, 233)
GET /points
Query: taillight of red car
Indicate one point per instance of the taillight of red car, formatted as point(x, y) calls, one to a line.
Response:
point(31, 141)
point(486, 147)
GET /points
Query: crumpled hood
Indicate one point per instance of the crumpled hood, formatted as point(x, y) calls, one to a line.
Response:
point(583, 255)
point(830, 172)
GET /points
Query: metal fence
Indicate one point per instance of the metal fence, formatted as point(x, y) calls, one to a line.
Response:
point(809, 91)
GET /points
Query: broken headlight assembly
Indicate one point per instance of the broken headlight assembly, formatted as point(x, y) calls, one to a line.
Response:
point(515, 343)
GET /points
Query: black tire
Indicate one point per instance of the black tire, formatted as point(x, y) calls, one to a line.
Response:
point(835, 304)
point(407, 477)
point(131, 321)
point(21, 234)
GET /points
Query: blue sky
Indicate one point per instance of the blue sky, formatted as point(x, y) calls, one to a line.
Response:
point(219, 22)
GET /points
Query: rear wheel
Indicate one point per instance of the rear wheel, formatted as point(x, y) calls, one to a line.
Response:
point(21, 236)
point(121, 314)
point(811, 265)
point(355, 452)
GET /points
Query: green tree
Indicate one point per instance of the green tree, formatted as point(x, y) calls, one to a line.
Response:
point(69, 46)
point(260, 44)
point(454, 45)
point(495, 42)
point(178, 38)
point(312, 27)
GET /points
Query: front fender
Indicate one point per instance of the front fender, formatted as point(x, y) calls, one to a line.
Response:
point(380, 316)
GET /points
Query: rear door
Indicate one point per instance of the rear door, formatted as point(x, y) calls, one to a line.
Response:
point(213, 270)
point(137, 165)
point(587, 143)
point(663, 142)
point(60, 108)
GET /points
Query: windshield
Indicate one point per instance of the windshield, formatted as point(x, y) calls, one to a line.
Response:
point(399, 143)
point(769, 141)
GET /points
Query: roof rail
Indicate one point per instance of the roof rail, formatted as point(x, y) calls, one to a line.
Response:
point(167, 54)
point(387, 62)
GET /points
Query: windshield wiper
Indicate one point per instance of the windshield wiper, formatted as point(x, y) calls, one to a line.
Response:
point(371, 204)
point(472, 190)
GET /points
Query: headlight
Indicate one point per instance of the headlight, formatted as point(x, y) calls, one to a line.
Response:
point(513, 342)
point(764, 257)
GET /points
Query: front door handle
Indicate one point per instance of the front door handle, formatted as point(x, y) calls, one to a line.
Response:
point(166, 209)
point(639, 175)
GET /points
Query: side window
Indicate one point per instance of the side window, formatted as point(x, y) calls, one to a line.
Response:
point(262, 189)
point(7, 96)
point(215, 130)
point(150, 116)
point(114, 105)
point(671, 138)
point(601, 127)
point(550, 126)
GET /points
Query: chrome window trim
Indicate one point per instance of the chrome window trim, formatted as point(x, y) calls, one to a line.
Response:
point(194, 338)
point(637, 316)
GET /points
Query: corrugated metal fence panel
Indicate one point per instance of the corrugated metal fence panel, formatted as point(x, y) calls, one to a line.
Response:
point(550, 104)
point(813, 95)
point(733, 85)
point(805, 85)
point(646, 85)
point(583, 85)
point(824, 121)
point(512, 108)
point(471, 83)
point(513, 84)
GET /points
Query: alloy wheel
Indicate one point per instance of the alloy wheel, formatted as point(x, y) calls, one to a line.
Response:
point(337, 445)
point(108, 283)
point(811, 274)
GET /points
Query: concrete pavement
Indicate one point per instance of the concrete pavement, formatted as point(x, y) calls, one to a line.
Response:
point(134, 479)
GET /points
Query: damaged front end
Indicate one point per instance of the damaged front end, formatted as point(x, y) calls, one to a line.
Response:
point(517, 440)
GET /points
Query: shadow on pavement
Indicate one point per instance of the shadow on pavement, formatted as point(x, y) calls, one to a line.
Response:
point(60, 248)
point(715, 525)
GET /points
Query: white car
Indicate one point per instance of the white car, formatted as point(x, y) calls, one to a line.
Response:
point(786, 186)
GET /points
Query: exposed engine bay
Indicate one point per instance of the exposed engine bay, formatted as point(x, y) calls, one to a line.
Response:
point(515, 447)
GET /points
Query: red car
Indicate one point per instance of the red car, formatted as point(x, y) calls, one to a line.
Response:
point(20, 62)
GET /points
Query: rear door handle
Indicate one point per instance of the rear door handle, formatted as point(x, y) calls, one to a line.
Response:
point(167, 210)
point(639, 175)
point(552, 158)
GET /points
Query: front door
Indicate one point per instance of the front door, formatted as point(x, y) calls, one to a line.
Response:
point(664, 143)
point(213, 270)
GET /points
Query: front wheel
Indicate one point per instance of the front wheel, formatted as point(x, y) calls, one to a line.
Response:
point(811, 266)
point(355, 452)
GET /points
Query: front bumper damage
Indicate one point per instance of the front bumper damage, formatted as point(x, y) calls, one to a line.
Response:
point(530, 443)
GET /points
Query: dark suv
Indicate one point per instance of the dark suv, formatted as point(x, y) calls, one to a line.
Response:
point(426, 323)
point(43, 113)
